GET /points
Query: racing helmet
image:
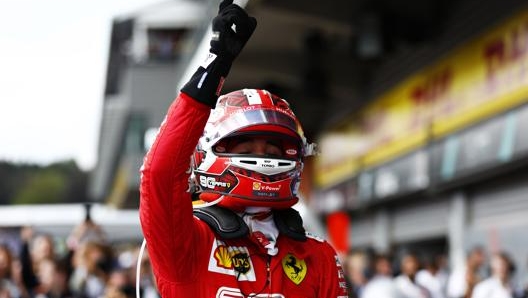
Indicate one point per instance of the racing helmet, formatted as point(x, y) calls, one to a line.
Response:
point(239, 180)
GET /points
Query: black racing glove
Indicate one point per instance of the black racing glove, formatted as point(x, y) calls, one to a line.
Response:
point(232, 28)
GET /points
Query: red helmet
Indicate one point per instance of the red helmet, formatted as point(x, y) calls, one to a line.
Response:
point(241, 180)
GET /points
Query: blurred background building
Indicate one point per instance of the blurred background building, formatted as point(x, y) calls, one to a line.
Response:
point(419, 108)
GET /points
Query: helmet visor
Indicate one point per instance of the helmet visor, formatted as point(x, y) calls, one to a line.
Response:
point(274, 145)
point(240, 120)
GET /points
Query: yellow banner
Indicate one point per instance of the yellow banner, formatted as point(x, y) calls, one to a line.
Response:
point(480, 79)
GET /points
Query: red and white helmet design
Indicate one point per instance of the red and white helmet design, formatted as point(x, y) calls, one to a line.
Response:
point(243, 180)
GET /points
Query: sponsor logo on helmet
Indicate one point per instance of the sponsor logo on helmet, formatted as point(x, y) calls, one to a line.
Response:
point(259, 186)
point(248, 108)
point(291, 151)
point(267, 164)
point(212, 183)
point(256, 185)
point(266, 194)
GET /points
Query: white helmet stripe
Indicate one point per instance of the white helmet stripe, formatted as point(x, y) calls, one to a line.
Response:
point(252, 96)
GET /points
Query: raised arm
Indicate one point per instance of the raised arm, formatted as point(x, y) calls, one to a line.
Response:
point(165, 208)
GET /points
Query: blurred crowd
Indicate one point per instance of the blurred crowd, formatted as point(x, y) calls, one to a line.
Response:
point(415, 276)
point(84, 265)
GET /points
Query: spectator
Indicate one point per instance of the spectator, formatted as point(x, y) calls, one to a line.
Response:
point(463, 279)
point(498, 285)
point(381, 285)
point(34, 250)
point(84, 232)
point(122, 278)
point(119, 284)
point(42, 248)
point(93, 262)
point(433, 277)
point(90, 257)
point(8, 287)
point(356, 270)
point(406, 284)
point(53, 277)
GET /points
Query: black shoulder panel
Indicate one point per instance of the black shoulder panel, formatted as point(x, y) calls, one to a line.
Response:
point(289, 223)
point(223, 222)
point(228, 225)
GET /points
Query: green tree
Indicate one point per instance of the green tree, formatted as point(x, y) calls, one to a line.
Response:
point(61, 182)
point(42, 187)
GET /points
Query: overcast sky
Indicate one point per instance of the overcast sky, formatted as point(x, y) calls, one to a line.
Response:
point(53, 56)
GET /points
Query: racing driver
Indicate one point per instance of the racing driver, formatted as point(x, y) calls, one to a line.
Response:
point(246, 150)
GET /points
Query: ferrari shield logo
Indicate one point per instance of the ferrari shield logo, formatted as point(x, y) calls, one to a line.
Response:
point(294, 268)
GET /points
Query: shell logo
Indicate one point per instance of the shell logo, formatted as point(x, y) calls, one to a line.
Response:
point(223, 257)
point(256, 185)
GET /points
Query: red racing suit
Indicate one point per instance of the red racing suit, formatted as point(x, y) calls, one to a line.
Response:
point(189, 260)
